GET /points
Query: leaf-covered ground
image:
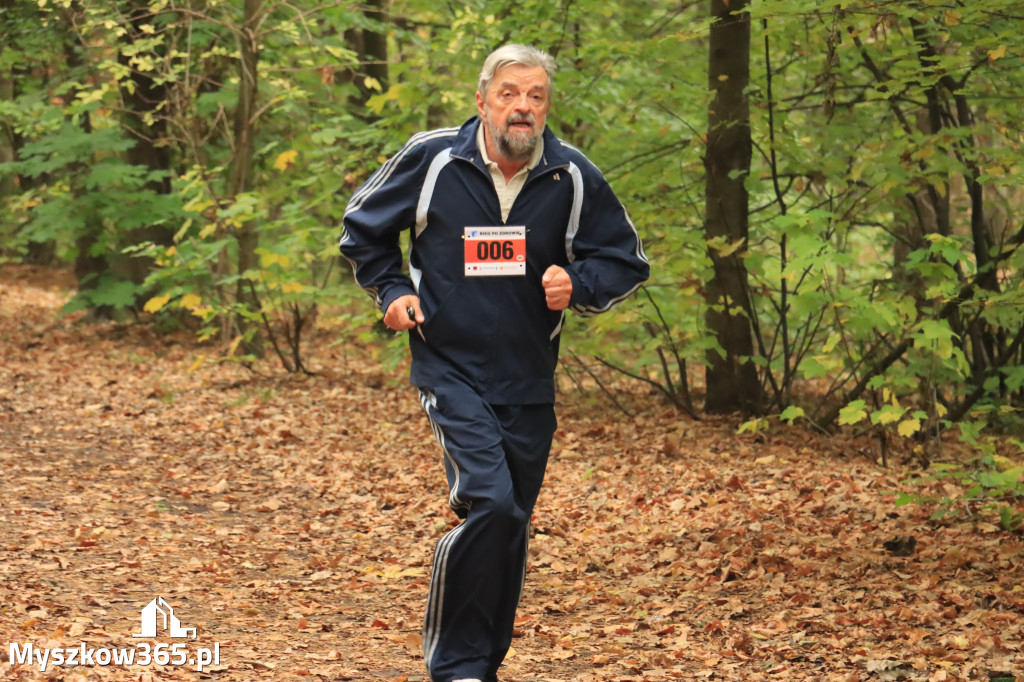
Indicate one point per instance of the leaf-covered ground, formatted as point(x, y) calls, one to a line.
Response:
point(291, 521)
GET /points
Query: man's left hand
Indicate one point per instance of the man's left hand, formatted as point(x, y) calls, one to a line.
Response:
point(557, 287)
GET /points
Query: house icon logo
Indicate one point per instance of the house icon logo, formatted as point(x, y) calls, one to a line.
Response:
point(158, 615)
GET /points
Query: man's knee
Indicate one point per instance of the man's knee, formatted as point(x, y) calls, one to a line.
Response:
point(501, 513)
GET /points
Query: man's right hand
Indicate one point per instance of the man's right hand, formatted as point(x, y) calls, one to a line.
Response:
point(397, 315)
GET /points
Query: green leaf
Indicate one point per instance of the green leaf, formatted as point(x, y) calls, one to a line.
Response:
point(791, 414)
point(113, 292)
point(904, 499)
point(887, 414)
point(853, 413)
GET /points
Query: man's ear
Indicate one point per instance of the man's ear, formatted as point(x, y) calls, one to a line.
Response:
point(480, 103)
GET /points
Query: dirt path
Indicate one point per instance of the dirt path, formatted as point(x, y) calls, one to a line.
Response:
point(291, 522)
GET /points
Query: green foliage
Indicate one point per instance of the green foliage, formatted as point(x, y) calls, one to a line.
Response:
point(91, 190)
point(884, 258)
point(286, 217)
point(867, 244)
point(990, 484)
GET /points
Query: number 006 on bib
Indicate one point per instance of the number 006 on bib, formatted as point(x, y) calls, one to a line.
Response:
point(494, 251)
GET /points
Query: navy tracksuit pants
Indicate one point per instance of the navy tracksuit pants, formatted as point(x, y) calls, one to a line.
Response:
point(494, 458)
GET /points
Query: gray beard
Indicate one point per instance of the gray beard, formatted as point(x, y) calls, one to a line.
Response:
point(515, 147)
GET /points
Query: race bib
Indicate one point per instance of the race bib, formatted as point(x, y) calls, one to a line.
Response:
point(494, 251)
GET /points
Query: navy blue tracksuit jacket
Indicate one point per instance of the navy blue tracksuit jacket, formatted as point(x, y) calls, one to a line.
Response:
point(496, 332)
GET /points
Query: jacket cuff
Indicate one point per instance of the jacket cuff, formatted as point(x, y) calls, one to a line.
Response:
point(394, 293)
point(577, 287)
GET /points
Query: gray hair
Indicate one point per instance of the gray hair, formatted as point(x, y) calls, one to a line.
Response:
point(523, 55)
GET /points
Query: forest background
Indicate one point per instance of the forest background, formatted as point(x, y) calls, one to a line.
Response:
point(830, 192)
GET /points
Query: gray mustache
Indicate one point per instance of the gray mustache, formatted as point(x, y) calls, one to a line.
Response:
point(520, 119)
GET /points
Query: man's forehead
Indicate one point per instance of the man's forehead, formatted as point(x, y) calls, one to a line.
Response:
point(519, 75)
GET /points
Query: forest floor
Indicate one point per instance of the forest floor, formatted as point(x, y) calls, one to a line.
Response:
point(291, 520)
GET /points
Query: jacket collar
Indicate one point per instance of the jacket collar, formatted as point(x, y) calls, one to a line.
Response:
point(465, 148)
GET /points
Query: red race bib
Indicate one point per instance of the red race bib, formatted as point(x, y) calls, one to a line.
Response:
point(494, 251)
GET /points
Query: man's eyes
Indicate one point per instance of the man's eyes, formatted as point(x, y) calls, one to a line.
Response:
point(508, 95)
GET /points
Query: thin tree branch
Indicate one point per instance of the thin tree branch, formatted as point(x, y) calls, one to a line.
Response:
point(601, 385)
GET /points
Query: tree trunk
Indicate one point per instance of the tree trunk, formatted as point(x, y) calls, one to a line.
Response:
point(7, 183)
point(242, 166)
point(732, 382)
point(375, 43)
point(144, 96)
point(372, 50)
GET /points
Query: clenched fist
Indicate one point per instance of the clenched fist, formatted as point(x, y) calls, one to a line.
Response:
point(557, 287)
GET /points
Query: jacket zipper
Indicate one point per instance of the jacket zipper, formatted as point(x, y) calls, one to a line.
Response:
point(530, 179)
